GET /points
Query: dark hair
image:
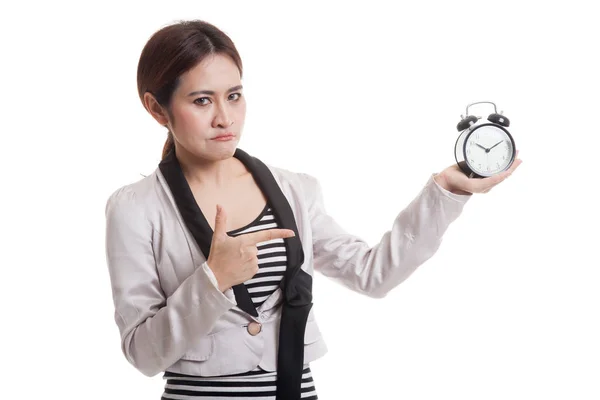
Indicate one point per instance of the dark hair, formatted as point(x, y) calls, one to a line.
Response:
point(173, 50)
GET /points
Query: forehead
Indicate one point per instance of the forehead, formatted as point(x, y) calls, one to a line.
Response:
point(216, 72)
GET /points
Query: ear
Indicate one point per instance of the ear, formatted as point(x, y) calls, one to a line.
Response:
point(155, 109)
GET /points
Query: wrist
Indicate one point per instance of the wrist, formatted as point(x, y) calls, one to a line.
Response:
point(221, 284)
point(223, 288)
point(216, 279)
point(442, 180)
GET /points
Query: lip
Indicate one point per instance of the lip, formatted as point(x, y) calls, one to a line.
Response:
point(224, 136)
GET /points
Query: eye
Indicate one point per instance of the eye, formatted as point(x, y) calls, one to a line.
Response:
point(203, 101)
point(235, 96)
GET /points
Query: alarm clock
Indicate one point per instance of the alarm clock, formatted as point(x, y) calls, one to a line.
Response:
point(484, 148)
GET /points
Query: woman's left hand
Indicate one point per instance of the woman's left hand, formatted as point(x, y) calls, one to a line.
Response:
point(455, 181)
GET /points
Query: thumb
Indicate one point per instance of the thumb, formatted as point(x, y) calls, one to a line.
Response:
point(220, 220)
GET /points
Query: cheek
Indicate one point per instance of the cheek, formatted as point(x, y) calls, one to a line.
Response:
point(241, 110)
point(191, 117)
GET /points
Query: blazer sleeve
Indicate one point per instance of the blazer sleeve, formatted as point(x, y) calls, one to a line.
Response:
point(414, 237)
point(155, 330)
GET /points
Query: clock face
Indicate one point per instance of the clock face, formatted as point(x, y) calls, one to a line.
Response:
point(488, 150)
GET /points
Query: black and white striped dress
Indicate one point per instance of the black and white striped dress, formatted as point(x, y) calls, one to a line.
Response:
point(256, 384)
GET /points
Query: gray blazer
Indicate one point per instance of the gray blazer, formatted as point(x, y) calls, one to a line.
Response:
point(169, 311)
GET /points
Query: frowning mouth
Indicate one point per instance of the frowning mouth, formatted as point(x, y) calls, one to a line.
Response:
point(223, 136)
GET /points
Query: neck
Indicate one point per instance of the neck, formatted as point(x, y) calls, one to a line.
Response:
point(218, 172)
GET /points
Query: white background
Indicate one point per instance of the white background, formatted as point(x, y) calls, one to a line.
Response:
point(366, 97)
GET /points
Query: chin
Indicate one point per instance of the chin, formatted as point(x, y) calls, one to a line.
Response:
point(225, 151)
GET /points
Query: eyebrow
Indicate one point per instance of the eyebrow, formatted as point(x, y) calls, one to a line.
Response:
point(211, 92)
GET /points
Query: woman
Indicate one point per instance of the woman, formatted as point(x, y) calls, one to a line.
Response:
point(211, 257)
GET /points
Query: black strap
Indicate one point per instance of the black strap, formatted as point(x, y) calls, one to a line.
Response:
point(243, 299)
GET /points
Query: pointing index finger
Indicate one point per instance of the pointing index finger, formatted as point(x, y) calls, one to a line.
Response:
point(268, 234)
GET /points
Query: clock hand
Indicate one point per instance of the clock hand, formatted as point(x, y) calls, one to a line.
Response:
point(477, 144)
point(495, 145)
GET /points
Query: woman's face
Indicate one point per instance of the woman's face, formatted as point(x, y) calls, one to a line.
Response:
point(208, 102)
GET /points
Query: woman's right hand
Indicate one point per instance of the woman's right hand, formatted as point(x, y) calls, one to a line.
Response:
point(234, 260)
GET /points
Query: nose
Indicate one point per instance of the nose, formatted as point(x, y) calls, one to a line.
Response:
point(222, 117)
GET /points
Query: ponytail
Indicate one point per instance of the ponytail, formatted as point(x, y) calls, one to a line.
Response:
point(169, 144)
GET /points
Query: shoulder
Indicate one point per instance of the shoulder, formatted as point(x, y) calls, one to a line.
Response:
point(299, 180)
point(132, 198)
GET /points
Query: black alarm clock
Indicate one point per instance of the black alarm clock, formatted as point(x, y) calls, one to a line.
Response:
point(484, 148)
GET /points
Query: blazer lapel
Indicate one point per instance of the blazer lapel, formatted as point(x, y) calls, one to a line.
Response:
point(281, 209)
point(202, 232)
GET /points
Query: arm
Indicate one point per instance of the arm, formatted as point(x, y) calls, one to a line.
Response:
point(155, 331)
point(415, 236)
